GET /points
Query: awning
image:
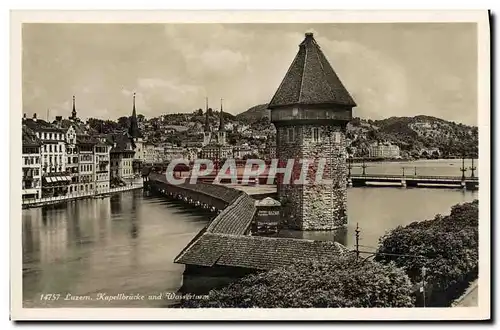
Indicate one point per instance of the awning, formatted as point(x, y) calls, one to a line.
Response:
point(48, 179)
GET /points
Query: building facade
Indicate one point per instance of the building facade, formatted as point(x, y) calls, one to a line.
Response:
point(102, 167)
point(384, 150)
point(149, 152)
point(310, 111)
point(121, 158)
point(86, 171)
point(55, 179)
point(31, 165)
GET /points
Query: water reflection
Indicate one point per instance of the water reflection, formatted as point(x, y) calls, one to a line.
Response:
point(125, 243)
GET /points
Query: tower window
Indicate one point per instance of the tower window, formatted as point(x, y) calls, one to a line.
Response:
point(290, 134)
point(336, 137)
point(316, 134)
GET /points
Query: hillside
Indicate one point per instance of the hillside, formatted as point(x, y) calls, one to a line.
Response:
point(254, 113)
point(414, 134)
point(411, 134)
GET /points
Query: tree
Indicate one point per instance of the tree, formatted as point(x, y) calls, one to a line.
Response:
point(342, 281)
point(123, 122)
point(141, 118)
point(446, 246)
point(102, 126)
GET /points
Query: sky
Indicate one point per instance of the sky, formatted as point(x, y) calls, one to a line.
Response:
point(402, 69)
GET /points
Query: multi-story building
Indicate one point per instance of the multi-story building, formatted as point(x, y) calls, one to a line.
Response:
point(241, 151)
point(31, 165)
point(102, 167)
point(72, 162)
point(173, 152)
point(149, 152)
point(159, 154)
point(383, 150)
point(53, 156)
point(86, 162)
point(121, 158)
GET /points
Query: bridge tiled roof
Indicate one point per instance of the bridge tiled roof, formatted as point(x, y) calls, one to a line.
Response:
point(236, 218)
point(255, 252)
point(224, 241)
point(311, 80)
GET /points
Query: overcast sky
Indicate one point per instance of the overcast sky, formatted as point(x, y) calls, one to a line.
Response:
point(389, 69)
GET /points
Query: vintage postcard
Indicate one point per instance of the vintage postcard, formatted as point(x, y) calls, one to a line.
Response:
point(250, 165)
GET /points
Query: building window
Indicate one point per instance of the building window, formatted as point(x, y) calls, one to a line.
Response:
point(316, 134)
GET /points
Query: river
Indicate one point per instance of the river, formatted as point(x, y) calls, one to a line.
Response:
point(126, 243)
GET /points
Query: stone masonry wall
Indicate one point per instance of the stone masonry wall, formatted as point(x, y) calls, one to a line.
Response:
point(315, 206)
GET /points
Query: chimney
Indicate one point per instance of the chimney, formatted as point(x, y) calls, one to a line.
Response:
point(34, 116)
point(58, 121)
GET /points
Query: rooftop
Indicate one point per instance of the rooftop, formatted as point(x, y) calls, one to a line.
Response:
point(311, 80)
point(40, 125)
point(29, 138)
point(224, 241)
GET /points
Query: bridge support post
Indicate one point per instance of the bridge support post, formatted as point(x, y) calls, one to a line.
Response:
point(403, 183)
point(349, 182)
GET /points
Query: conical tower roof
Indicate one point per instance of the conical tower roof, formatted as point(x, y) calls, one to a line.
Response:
point(311, 80)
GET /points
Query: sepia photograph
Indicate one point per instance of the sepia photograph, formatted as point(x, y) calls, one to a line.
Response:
point(210, 167)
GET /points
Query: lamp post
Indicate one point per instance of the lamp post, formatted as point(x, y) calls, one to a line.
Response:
point(472, 168)
point(415, 171)
point(463, 169)
point(349, 166)
point(403, 171)
point(423, 283)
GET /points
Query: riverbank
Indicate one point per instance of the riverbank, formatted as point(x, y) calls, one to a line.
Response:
point(30, 203)
point(469, 298)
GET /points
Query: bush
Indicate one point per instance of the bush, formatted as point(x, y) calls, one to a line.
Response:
point(446, 246)
point(343, 281)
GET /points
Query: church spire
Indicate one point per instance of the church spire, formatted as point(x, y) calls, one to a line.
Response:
point(73, 113)
point(207, 119)
point(134, 127)
point(221, 119)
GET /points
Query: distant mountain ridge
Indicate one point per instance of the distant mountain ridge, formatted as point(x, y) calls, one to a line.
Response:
point(411, 134)
point(255, 113)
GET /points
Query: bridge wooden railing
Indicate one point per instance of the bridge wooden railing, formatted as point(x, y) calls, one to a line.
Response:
point(216, 191)
point(421, 177)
